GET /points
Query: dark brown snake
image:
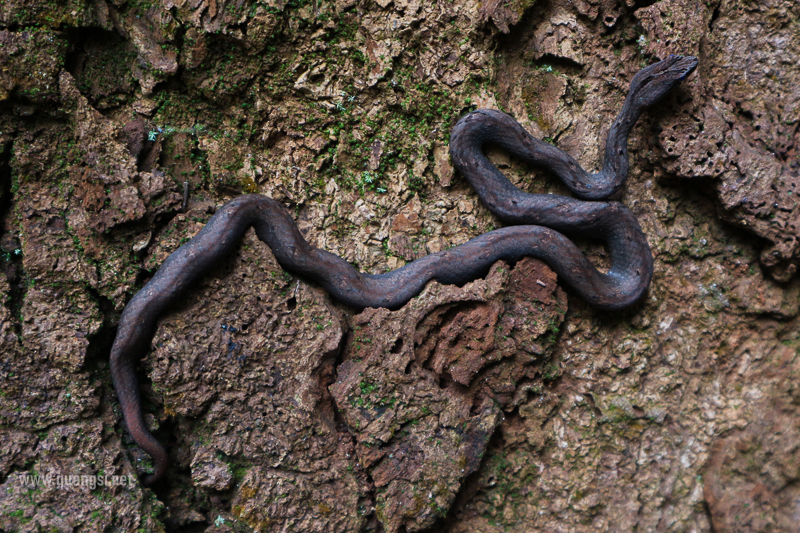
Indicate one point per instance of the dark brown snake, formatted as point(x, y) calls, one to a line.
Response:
point(545, 217)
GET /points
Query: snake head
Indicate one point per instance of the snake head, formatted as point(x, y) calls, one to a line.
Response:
point(652, 83)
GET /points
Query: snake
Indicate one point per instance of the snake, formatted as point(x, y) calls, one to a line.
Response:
point(539, 225)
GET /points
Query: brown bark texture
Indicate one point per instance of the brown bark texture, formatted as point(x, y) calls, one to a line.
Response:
point(507, 404)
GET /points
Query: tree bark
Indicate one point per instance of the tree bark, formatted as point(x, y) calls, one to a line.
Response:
point(507, 404)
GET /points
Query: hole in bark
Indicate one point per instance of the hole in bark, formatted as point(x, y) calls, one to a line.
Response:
point(642, 3)
point(714, 17)
point(101, 62)
point(397, 346)
point(477, 404)
point(291, 303)
point(563, 64)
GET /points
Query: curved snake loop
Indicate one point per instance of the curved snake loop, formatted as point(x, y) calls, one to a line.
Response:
point(545, 217)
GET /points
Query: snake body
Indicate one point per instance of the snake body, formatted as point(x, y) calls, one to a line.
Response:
point(542, 222)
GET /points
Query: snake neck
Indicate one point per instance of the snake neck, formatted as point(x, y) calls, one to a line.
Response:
point(484, 126)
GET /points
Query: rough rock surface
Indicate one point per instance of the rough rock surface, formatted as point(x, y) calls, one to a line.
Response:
point(503, 405)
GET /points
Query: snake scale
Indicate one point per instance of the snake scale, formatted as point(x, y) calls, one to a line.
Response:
point(541, 220)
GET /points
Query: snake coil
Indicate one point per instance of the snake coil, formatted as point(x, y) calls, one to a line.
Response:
point(542, 220)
